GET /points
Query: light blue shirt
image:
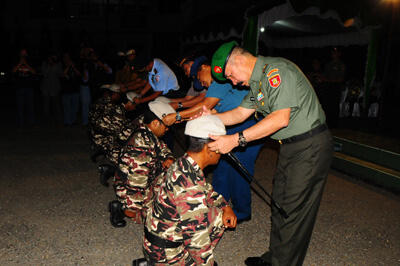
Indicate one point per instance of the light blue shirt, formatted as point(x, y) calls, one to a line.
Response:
point(162, 78)
point(229, 97)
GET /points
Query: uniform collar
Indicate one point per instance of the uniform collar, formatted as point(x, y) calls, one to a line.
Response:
point(193, 163)
point(257, 73)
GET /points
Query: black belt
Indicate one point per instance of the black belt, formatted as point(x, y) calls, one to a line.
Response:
point(161, 242)
point(304, 136)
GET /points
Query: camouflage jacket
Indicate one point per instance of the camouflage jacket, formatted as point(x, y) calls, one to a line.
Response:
point(140, 162)
point(108, 123)
point(180, 210)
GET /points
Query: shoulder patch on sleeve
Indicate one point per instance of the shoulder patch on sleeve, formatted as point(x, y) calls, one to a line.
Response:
point(272, 71)
point(274, 81)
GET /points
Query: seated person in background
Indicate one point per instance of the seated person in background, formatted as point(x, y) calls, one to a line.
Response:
point(141, 161)
point(187, 217)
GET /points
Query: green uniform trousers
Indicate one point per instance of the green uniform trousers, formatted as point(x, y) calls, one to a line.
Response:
point(298, 184)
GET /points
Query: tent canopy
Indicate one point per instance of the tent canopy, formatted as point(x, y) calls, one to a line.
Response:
point(283, 27)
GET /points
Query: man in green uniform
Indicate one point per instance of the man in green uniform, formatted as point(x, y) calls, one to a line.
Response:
point(292, 116)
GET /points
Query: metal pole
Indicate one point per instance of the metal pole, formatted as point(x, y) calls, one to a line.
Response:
point(249, 178)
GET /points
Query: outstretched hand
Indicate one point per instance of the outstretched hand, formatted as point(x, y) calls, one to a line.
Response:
point(169, 119)
point(203, 112)
point(229, 218)
point(223, 144)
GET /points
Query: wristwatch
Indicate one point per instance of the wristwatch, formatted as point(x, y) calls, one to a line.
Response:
point(178, 116)
point(242, 140)
point(180, 105)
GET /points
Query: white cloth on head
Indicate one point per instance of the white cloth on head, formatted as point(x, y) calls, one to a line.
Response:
point(161, 109)
point(204, 126)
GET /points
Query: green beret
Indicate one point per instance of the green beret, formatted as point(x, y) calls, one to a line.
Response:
point(219, 59)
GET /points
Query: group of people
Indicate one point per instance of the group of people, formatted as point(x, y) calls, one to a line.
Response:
point(235, 100)
point(67, 84)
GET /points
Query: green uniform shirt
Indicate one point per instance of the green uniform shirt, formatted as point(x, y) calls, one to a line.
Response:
point(277, 83)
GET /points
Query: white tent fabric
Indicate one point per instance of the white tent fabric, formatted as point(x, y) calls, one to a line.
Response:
point(281, 12)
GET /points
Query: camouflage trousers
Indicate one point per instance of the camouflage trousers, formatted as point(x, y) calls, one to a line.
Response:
point(180, 256)
point(136, 200)
point(108, 145)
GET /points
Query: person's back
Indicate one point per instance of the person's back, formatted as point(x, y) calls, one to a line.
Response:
point(187, 217)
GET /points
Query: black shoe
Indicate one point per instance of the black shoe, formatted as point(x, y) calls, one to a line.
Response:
point(106, 171)
point(256, 261)
point(116, 214)
point(248, 218)
point(140, 262)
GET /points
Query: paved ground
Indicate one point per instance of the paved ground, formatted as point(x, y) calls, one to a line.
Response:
point(53, 211)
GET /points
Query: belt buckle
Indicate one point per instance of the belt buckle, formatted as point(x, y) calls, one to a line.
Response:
point(280, 141)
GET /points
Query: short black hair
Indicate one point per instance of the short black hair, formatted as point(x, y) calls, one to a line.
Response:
point(197, 144)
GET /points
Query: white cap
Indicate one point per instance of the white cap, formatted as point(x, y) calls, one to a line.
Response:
point(161, 109)
point(131, 51)
point(205, 125)
point(162, 99)
point(120, 53)
point(131, 95)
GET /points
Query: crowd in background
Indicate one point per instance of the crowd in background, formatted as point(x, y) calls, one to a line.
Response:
point(58, 88)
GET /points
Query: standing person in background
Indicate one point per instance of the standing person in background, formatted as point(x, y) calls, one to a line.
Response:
point(24, 73)
point(315, 77)
point(70, 90)
point(333, 78)
point(100, 73)
point(84, 92)
point(50, 88)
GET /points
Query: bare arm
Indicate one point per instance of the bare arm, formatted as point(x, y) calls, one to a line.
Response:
point(208, 102)
point(146, 88)
point(235, 116)
point(186, 98)
point(148, 98)
point(270, 124)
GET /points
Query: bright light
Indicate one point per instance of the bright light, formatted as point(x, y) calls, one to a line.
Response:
point(262, 29)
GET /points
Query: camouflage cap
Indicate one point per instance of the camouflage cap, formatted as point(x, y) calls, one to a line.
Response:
point(203, 126)
point(220, 58)
point(161, 109)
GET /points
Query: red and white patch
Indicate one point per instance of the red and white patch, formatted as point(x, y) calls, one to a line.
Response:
point(275, 81)
point(217, 69)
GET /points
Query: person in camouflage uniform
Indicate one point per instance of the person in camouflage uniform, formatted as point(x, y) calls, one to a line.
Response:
point(144, 158)
point(107, 118)
point(110, 128)
point(187, 217)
